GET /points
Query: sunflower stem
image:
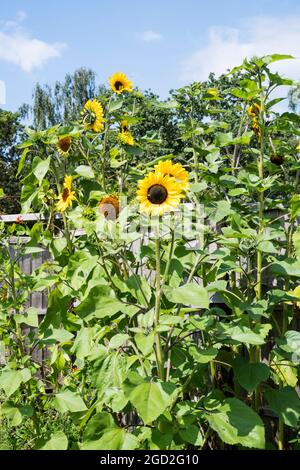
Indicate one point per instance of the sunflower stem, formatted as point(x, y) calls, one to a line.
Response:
point(158, 346)
point(260, 163)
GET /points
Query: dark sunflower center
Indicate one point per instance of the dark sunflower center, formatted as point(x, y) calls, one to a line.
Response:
point(118, 85)
point(65, 194)
point(157, 194)
point(64, 144)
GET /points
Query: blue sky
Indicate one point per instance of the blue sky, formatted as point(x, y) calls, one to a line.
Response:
point(158, 44)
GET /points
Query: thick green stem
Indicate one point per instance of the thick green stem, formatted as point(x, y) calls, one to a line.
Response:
point(257, 352)
point(158, 346)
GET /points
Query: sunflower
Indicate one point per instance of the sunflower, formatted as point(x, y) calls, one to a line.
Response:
point(253, 110)
point(298, 146)
point(256, 128)
point(93, 116)
point(276, 159)
point(109, 206)
point(126, 138)
point(124, 126)
point(159, 193)
point(176, 170)
point(64, 145)
point(119, 83)
point(67, 196)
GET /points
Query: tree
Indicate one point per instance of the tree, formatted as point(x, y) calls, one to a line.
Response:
point(11, 131)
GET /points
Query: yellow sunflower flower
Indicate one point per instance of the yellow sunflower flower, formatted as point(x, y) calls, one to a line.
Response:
point(67, 196)
point(64, 145)
point(159, 193)
point(93, 116)
point(119, 83)
point(256, 128)
point(176, 170)
point(253, 110)
point(126, 138)
point(298, 146)
point(109, 206)
point(124, 126)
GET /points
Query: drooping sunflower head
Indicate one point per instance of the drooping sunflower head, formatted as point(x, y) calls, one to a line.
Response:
point(277, 159)
point(159, 193)
point(120, 83)
point(176, 170)
point(124, 126)
point(92, 116)
point(67, 196)
point(64, 145)
point(253, 110)
point(256, 128)
point(109, 206)
point(126, 138)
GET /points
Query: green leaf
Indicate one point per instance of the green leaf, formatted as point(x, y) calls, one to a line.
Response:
point(191, 434)
point(113, 439)
point(30, 317)
point(217, 211)
point(145, 342)
point(115, 105)
point(40, 168)
point(237, 423)
point(151, 399)
point(99, 303)
point(286, 403)
point(295, 206)
point(85, 171)
point(189, 294)
point(109, 371)
point(69, 401)
point(10, 380)
point(57, 441)
point(97, 425)
point(83, 342)
point(249, 375)
point(291, 342)
point(269, 59)
point(286, 267)
point(203, 356)
point(22, 160)
point(244, 334)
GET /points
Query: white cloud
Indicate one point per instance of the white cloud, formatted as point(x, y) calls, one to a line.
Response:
point(151, 36)
point(18, 47)
point(227, 47)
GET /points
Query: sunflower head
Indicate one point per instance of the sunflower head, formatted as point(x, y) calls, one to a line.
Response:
point(253, 110)
point(64, 145)
point(126, 138)
point(67, 196)
point(277, 159)
point(124, 126)
point(176, 170)
point(256, 128)
point(120, 83)
point(92, 116)
point(159, 193)
point(109, 206)
point(298, 146)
